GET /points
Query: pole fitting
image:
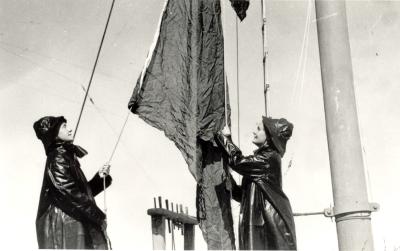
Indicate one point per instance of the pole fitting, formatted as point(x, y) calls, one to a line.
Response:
point(351, 214)
point(266, 88)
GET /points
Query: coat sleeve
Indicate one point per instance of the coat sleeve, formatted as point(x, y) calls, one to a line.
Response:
point(68, 195)
point(251, 166)
point(236, 190)
point(96, 183)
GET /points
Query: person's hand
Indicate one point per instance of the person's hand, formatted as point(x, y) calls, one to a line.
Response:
point(104, 170)
point(226, 131)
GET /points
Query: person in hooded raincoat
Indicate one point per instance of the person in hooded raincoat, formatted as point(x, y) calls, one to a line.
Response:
point(266, 218)
point(68, 217)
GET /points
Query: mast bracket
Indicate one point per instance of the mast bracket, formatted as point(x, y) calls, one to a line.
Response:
point(352, 213)
point(345, 214)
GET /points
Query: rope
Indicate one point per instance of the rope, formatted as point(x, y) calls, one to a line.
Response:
point(301, 60)
point(226, 99)
point(119, 137)
point(264, 51)
point(27, 50)
point(300, 72)
point(104, 177)
point(364, 153)
point(98, 109)
point(94, 68)
point(83, 106)
point(237, 80)
point(105, 212)
point(237, 85)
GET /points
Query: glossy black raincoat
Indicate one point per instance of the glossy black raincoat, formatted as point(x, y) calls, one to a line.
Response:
point(68, 217)
point(266, 216)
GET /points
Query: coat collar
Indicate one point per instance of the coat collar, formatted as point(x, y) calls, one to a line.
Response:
point(69, 147)
point(264, 148)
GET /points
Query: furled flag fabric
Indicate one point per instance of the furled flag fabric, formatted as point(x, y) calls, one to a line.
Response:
point(181, 92)
point(240, 7)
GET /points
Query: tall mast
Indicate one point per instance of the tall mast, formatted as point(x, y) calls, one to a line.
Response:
point(352, 209)
point(265, 54)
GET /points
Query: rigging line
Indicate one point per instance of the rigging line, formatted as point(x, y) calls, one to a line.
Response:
point(124, 146)
point(119, 136)
point(105, 213)
point(237, 85)
point(94, 68)
point(301, 68)
point(237, 80)
point(30, 51)
point(364, 153)
point(40, 66)
point(264, 58)
point(41, 90)
point(120, 140)
point(99, 110)
point(301, 58)
point(222, 3)
point(305, 58)
point(129, 154)
point(52, 71)
point(226, 99)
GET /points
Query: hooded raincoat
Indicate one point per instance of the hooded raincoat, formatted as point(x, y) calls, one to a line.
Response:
point(266, 219)
point(68, 217)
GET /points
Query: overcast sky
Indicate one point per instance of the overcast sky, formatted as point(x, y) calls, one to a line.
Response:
point(47, 50)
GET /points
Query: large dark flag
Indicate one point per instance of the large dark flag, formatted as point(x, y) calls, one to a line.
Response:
point(181, 92)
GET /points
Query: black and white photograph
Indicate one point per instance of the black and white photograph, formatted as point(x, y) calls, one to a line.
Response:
point(200, 124)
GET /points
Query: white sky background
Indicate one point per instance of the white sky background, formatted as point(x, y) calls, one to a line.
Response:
point(47, 50)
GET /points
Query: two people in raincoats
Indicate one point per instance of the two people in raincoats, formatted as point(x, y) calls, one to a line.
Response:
point(68, 217)
point(266, 218)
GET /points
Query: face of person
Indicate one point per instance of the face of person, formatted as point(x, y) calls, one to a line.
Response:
point(65, 134)
point(259, 135)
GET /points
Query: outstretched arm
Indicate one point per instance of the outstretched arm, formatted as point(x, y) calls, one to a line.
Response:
point(253, 166)
point(96, 183)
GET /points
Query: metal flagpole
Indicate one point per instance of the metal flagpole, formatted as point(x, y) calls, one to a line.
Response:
point(351, 207)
